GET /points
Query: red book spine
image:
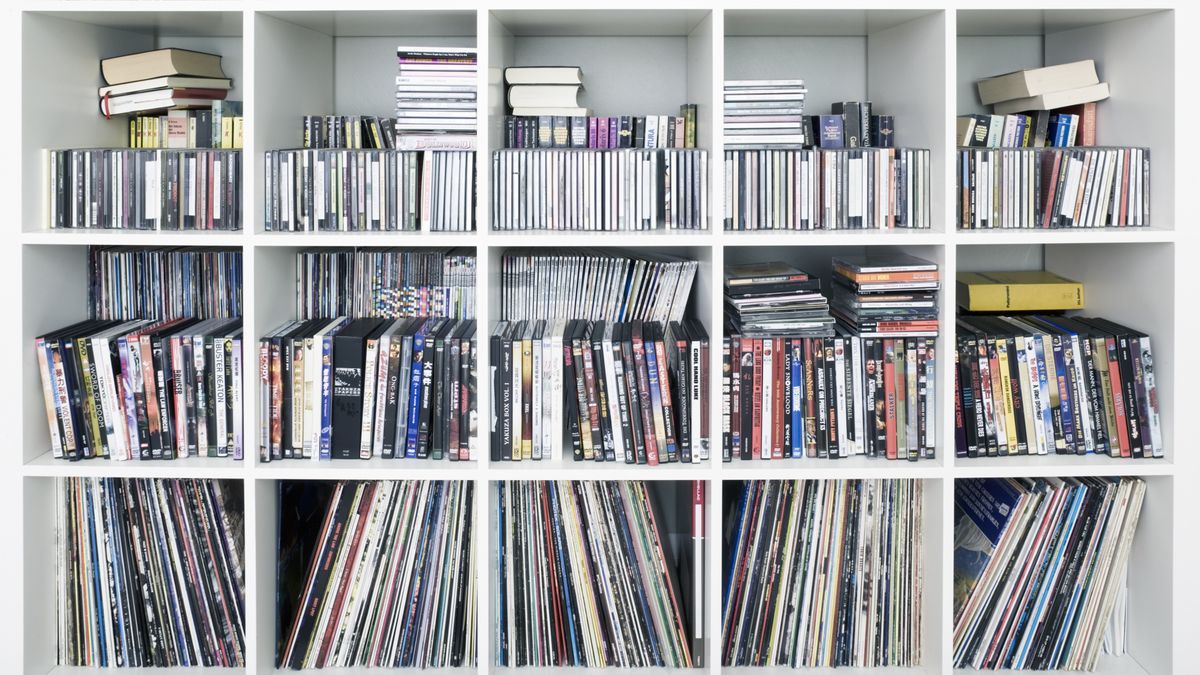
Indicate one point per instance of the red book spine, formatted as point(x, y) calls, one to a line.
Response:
point(810, 399)
point(1050, 162)
point(1124, 220)
point(756, 400)
point(889, 380)
point(1114, 378)
point(777, 414)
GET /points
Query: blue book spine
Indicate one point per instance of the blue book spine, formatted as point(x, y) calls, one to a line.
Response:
point(414, 395)
point(797, 449)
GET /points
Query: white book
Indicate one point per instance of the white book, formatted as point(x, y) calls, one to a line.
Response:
point(370, 368)
point(536, 391)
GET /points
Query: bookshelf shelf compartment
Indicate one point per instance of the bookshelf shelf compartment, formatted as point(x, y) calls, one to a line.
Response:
point(1134, 53)
point(60, 51)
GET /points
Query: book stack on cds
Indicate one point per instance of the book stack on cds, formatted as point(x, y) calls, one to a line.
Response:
point(765, 114)
point(161, 79)
point(435, 98)
point(775, 298)
point(892, 295)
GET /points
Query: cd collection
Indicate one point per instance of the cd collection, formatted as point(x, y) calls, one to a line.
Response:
point(588, 575)
point(347, 388)
point(436, 91)
point(149, 572)
point(1044, 385)
point(369, 191)
point(1053, 187)
point(827, 189)
point(1040, 570)
point(164, 189)
point(886, 295)
point(143, 389)
point(824, 573)
point(164, 283)
point(388, 575)
point(634, 392)
point(593, 284)
point(579, 189)
point(387, 283)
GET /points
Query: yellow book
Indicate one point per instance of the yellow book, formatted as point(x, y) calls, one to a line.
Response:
point(1030, 291)
point(237, 133)
point(226, 132)
point(1006, 388)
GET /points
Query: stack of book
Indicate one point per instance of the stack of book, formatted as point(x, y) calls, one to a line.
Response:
point(763, 114)
point(545, 91)
point(1046, 88)
point(161, 79)
point(886, 296)
point(436, 95)
point(775, 298)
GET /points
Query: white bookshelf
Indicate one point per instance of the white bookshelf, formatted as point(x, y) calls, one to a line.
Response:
point(316, 56)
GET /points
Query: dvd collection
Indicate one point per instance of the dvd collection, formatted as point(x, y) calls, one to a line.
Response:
point(385, 283)
point(164, 189)
point(164, 283)
point(377, 574)
point(369, 191)
point(595, 284)
point(588, 575)
point(143, 389)
point(574, 189)
point(795, 384)
point(827, 189)
point(345, 388)
point(824, 573)
point(1045, 385)
point(149, 572)
point(609, 391)
point(1053, 188)
point(1040, 570)
point(168, 386)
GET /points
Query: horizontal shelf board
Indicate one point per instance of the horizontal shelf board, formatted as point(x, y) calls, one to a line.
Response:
point(815, 22)
point(307, 239)
point(180, 21)
point(1060, 465)
point(622, 239)
point(1002, 22)
point(847, 467)
point(781, 670)
point(133, 238)
point(46, 465)
point(366, 469)
point(398, 23)
point(179, 670)
point(581, 670)
point(1088, 235)
point(569, 469)
point(898, 236)
point(373, 670)
point(1106, 665)
point(600, 22)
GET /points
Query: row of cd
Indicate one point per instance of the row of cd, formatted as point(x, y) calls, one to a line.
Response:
point(813, 573)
